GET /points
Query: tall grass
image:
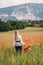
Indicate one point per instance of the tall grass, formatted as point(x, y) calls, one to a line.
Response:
point(32, 57)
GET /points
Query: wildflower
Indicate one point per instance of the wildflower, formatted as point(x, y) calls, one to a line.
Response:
point(27, 48)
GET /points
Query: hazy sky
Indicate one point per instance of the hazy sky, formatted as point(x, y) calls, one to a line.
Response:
point(6, 3)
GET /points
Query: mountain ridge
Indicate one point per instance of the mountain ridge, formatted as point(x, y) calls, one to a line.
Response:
point(28, 11)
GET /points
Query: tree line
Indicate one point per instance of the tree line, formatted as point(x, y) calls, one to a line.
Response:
point(13, 25)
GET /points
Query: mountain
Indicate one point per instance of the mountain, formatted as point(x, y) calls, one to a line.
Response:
point(28, 11)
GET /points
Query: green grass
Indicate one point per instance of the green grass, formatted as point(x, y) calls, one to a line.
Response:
point(32, 57)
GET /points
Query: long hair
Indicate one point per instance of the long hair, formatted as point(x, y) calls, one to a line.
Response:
point(16, 34)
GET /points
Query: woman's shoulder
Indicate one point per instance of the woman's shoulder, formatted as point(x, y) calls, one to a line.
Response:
point(20, 36)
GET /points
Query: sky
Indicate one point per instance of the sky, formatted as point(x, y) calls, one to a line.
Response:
point(6, 3)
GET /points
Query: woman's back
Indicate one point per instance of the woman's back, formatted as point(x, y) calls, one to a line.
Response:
point(18, 41)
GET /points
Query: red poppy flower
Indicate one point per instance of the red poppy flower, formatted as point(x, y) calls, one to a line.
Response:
point(27, 48)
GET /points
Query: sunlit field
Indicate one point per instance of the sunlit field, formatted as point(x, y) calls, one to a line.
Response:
point(33, 37)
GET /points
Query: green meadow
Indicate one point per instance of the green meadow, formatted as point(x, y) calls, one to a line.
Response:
point(8, 55)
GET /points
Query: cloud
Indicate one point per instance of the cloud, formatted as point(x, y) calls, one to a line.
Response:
point(6, 3)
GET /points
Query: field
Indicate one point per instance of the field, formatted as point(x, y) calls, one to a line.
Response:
point(33, 37)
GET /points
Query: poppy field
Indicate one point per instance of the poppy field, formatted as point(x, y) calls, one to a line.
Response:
point(32, 53)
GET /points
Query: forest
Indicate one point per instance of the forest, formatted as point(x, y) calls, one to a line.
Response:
point(13, 25)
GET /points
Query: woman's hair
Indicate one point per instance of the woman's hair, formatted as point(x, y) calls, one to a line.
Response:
point(16, 34)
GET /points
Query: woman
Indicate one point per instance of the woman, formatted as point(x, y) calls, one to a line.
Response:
point(18, 42)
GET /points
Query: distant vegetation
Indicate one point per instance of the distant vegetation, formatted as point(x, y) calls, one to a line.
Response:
point(12, 25)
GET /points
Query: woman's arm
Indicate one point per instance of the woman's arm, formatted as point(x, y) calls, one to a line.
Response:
point(22, 41)
point(13, 44)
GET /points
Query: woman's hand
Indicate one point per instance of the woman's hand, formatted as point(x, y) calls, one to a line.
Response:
point(24, 44)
